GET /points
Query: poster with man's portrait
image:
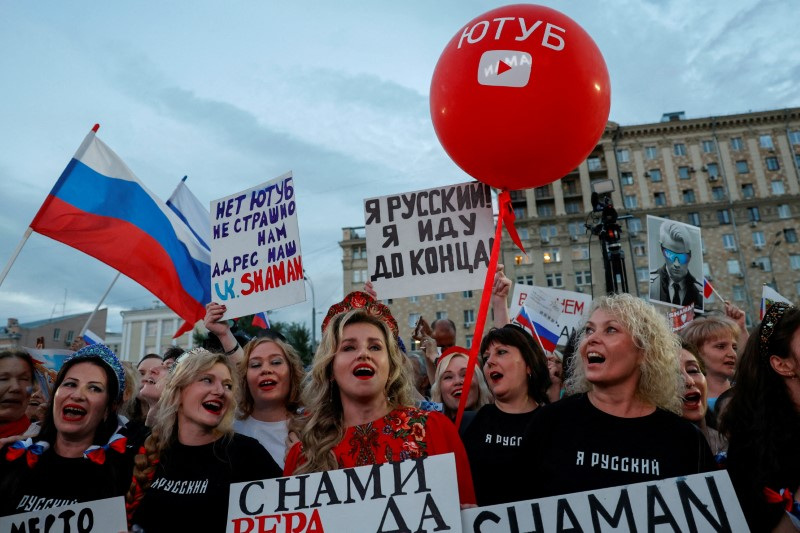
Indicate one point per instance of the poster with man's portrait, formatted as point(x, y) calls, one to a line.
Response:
point(676, 263)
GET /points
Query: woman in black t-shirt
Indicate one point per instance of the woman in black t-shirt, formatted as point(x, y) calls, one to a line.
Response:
point(183, 474)
point(516, 369)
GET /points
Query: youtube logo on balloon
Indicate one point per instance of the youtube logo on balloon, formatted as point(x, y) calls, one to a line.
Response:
point(504, 68)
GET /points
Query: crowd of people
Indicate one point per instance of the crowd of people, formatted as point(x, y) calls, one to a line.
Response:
point(634, 403)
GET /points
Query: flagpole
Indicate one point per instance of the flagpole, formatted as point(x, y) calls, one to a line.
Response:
point(102, 299)
point(15, 254)
point(536, 334)
point(718, 294)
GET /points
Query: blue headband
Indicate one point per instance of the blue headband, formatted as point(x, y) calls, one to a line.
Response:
point(102, 353)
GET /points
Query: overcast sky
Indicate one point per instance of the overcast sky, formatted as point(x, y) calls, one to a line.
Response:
point(233, 94)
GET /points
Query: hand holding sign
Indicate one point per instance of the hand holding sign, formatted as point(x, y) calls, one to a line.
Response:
point(520, 96)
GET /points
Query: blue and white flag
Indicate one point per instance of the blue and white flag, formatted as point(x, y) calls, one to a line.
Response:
point(191, 212)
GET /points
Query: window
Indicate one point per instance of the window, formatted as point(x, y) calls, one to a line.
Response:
point(635, 224)
point(570, 187)
point(772, 163)
point(151, 326)
point(742, 167)
point(626, 178)
point(753, 214)
point(70, 337)
point(747, 190)
point(734, 267)
point(790, 235)
point(723, 216)
point(642, 275)
point(469, 317)
point(708, 147)
point(440, 296)
point(580, 252)
point(758, 239)
point(583, 277)
point(777, 187)
point(763, 263)
point(679, 149)
point(706, 270)
point(713, 170)
point(552, 256)
point(784, 211)
point(688, 196)
point(630, 201)
point(525, 280)
point(693, 218)
point(594, 164)
point(718, 193)
point(736, 144)
point(650, 152)
point(467, 294)
point(441, 315)
point(639, 249)
point(729, 242)
point(359, 275)
point(56, 334)
point(413, 299)
point(794, 137)
point(360, 252)
point(738, 293)
point(660, 199)
point(683, 172)
point(413, 318)
point(545, 191)
point(547, 230)
point(519, 212)
point(794, 261)
point(544, 210)
point(523, 233)
point(468, 339)
point(655, 174)
point(554, 279)
point(623, 156)
point(765, 141)
point(576, 229)
point(573, 207)
point(797, 160)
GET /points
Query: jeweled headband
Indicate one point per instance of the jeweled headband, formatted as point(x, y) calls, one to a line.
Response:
point(771, 318)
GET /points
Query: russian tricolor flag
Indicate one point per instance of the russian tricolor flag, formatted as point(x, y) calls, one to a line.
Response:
point(99, 207)
point(708, 290)
point(546, 332)
point(260, 320)
point(91, 337)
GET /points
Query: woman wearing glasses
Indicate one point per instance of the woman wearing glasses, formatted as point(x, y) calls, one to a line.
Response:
point(672, 282)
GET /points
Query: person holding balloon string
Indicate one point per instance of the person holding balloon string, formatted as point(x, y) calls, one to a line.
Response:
point(359, 399)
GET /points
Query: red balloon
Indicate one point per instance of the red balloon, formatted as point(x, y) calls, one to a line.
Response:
point(520, 96)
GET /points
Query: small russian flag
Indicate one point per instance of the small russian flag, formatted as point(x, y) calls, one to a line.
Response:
point(260, 320)
point(538, 329)
point(91, 337)
point(708, 290)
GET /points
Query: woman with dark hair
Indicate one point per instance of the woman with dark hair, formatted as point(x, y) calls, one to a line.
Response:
point(695, 399)
point(359, 400)
point(515, 367)
point(16, 386)
point(193, 446)
point(762, 421)
point(77, 455)
point(271, 372)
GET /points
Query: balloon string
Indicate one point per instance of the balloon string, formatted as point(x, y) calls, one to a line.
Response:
point(504, 201)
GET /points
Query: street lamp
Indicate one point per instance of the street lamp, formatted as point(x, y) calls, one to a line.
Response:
point(313, 312)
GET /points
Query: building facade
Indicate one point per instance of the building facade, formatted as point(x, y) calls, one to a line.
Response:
point(57, 332)
point(736, 177)
point(150, 331)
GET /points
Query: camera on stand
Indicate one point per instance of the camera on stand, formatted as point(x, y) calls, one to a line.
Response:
point(605, 224)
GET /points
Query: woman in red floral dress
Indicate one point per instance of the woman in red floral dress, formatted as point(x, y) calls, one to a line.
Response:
point(359, 400)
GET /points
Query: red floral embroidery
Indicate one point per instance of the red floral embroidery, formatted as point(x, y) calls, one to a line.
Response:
point(398, 436)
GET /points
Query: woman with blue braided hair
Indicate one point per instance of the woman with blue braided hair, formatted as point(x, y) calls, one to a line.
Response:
point(762, 423)
point(77, 456)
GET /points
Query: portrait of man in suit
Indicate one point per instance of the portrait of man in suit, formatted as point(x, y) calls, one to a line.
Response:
point(672, 282)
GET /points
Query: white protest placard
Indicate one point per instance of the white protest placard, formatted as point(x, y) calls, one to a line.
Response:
point(701, 502)
point(99, 516)
point(256, 264)
point(430, 241)
point(412, 495)
point(568, 309)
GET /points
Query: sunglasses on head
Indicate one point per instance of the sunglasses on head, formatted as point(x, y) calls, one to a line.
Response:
point(671, 256)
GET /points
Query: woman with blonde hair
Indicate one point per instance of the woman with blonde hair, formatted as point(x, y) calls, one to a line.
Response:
point(621, 423)
point(192, 455)
point(451, 369)
point(359, 396)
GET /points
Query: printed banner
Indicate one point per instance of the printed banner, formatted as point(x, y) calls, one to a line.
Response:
point(676, 263)
point(701, 502)
point(412, 495)
point(430, 241)
point(100, 516)
point(560, 312)
point(51, 358)
point(256, 264)
point(680, 318)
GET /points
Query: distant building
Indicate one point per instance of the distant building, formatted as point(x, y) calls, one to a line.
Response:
point(57, 332)
point(150, 331)
point(737, 177)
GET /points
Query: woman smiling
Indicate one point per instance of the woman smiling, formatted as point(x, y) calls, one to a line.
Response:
point(192, 456)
